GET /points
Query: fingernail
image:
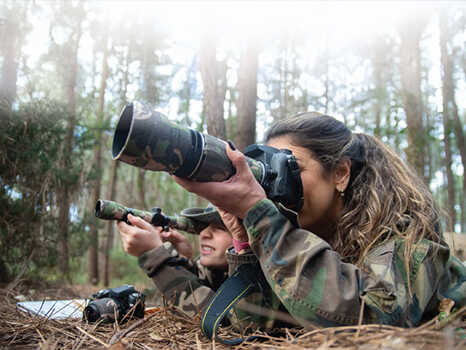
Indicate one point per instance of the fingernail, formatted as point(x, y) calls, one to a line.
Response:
point(232, 145)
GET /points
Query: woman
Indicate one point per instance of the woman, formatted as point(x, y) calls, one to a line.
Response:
point(167, 257)
point(368, 243)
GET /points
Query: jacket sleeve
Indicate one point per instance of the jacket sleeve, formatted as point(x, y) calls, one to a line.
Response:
point(177, 278)
point(315, 285)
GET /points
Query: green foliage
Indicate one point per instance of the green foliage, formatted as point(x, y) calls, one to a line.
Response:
point(30, 140)
point(125, 269)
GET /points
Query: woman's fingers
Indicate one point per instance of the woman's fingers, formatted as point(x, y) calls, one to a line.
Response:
point(236, 195)
point(233, 224)
point(239, 161)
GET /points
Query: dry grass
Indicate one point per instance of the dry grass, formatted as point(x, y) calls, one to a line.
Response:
point(167, 329)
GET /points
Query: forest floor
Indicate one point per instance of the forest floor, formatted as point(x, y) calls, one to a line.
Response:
point(168, 329)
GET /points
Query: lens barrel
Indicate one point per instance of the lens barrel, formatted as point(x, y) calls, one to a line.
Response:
point(104, 308)
point(147, 139)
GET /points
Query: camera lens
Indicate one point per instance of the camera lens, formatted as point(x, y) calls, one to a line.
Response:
point(104, 308)
point(91, 313)
point(147, 139)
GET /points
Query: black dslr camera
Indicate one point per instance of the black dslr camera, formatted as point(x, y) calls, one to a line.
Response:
point(281, 177)
point(114, 304)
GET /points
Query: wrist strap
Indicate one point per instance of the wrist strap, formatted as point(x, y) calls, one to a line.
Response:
point(239, 246)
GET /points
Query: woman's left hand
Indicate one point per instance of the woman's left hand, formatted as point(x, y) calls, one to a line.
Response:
point(237, 195)
point(233, 224)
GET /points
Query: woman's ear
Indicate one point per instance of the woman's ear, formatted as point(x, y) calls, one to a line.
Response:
point(342, 175)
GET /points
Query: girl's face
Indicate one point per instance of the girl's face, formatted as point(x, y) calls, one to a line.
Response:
point(322, 202)
point(213, 243)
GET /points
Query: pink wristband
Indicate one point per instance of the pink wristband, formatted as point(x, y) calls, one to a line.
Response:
point(239, 246)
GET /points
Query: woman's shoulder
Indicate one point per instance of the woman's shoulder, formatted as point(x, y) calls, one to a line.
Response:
point(396, 249)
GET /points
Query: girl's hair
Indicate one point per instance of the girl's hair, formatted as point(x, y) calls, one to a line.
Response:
point(384, 196)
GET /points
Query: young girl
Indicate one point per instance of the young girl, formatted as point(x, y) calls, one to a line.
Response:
point(167, 257)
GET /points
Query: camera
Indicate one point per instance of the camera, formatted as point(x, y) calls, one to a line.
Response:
point(147, 139)
point(114, 304)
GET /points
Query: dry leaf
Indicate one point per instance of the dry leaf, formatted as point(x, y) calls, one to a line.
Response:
point(117, 346)
point(156, 337)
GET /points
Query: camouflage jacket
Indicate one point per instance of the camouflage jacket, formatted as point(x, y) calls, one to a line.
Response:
point(186, 284)
point(306, 278)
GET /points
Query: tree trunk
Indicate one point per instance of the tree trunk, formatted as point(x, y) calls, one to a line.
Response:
point(410, 61)
point(11, 45)
point(96, 184)
point(12, 34)
point(214, 80)
point(378, 59)
point(110, 225)
point(230, 124)
point(247, 95)
point(451, 121)
point(65, 191)
point(112, 186)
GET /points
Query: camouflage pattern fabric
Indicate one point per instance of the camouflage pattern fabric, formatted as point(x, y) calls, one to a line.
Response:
point(186, 284)
point(308, 279)
point(109, 210)
point(147, 139)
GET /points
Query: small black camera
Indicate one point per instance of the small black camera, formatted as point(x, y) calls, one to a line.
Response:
point(114, 304)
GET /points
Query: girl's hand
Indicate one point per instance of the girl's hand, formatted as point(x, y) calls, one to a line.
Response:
point(140, 237)
point(179, 241)
point(236, 195)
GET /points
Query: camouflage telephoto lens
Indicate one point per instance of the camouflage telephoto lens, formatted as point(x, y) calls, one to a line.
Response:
point(147, 139)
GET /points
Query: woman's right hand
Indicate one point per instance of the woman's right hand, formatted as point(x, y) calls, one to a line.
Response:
point(139, 237)
point(237, 195)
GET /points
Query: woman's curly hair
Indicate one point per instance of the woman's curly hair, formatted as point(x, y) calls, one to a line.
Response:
point(384, 196)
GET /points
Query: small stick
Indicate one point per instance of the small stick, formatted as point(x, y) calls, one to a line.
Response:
point(198, 343)
point(118, 335)
point(361, 314)
point(451, 318)
point(92, 337)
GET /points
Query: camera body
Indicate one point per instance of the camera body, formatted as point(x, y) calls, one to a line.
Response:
point(113, 304)
point(281, 175)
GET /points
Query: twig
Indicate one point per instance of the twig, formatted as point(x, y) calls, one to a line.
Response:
point(118, 335)
point(94, 338)
point(451, 318)
point(12, 285)
point(361, 314)
point(198, 343)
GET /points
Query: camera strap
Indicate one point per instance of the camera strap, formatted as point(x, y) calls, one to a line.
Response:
point(244, 281)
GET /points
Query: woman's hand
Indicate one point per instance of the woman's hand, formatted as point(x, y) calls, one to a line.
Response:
point(233, 224)
point(236, 195)
point(179, 241)
point(140, 237)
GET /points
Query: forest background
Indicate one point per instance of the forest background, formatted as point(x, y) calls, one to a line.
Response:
point(393, 69)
